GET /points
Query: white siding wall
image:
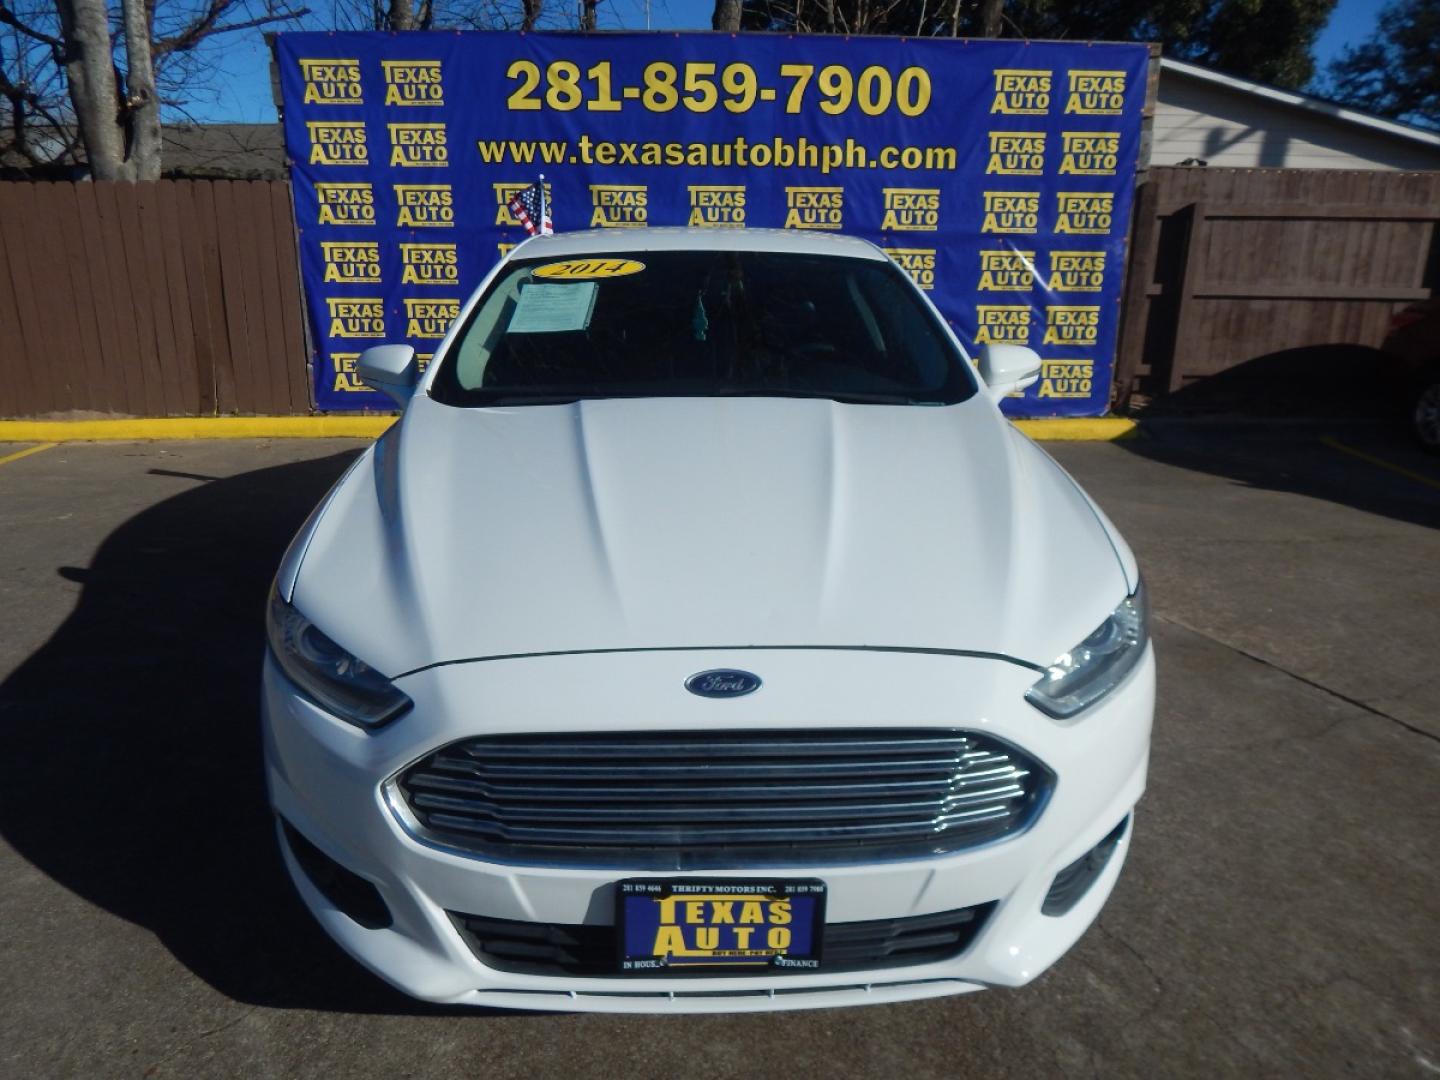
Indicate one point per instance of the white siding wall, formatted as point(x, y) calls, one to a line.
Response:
point(1230, 128)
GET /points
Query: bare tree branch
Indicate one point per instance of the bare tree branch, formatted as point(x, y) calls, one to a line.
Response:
point(196, 29)
point(205, 26)
point(9, 18)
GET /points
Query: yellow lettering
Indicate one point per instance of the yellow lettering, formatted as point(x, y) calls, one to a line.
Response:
point(347, 380)
point(619, 206)
point(1020, 92)
point(669, 940)
point(814, 208)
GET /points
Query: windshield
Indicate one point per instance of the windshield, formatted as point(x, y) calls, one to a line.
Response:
point(702, 323)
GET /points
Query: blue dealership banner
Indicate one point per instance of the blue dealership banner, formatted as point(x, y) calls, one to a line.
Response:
point(998, 174)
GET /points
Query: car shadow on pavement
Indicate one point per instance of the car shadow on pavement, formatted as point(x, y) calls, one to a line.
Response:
point(1325, 421)
point(130, 761)
point(1365, 465)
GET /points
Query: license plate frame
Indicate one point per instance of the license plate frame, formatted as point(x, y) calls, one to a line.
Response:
point(646, 933)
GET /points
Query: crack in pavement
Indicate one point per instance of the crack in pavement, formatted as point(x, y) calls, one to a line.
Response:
point(1140, 958)
point(154, 1067)
point(1281, 740)
point(1302, 679)
point(1278, 541)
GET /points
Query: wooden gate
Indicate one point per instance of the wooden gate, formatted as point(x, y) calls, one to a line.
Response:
point(1230, 265)
point(172, 298)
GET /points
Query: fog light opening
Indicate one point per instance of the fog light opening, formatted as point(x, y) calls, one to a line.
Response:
point(1075, 880)
point(356, 898)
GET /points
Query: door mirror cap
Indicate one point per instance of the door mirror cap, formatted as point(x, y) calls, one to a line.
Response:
point(391, 369)
point(1008, 369)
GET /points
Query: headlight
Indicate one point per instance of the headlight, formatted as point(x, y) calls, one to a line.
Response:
point(337, 681)
point(1089, 671)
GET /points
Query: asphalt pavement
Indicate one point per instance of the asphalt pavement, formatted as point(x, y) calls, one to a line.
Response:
point(1280, 912)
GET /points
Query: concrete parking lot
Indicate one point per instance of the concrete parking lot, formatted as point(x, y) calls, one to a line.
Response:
point(1280, 912)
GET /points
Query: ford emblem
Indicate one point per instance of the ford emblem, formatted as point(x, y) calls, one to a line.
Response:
point(722, 683)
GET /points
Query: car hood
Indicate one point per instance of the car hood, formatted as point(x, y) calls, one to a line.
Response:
point(705, 522)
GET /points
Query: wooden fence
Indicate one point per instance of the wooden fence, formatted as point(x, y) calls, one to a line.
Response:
point(1231, 265)
point(173, 298)
point(182, 298)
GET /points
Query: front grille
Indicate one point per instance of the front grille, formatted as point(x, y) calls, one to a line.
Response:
point(526, 948)
point(721, 799)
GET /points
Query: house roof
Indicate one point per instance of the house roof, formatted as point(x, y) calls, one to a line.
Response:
point(1317, 106)
point(196, 151)
point(237, 151)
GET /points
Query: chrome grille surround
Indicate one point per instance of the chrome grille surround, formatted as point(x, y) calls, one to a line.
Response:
point(690, 800)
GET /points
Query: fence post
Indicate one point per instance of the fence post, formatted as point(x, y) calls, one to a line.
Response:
point(1135, 307)
point(1186, 288)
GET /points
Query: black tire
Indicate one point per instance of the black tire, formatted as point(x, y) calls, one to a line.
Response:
point(1425, 416)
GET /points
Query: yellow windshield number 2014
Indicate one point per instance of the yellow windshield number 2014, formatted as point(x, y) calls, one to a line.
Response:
point(587, 269)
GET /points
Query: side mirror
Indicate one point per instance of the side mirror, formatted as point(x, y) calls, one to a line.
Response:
point(390, 369)
point(1005, 368)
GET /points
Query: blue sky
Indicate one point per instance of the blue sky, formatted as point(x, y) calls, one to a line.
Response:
point(242, 62)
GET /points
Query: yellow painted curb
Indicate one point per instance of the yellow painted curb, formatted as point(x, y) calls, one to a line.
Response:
point(1099, 429)
point(200, 427)
point(1103, 429)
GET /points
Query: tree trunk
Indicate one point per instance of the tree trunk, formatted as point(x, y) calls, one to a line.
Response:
point(990, 11)
point(141, 114)
point(587, 14)
point(401, 15)
point(726, 16)
point(532, 14)
point(94, 90)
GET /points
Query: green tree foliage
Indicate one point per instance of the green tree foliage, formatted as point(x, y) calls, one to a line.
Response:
point(1267, 40)
point(1396, 72)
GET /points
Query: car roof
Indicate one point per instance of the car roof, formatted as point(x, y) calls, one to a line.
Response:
point(606, 241)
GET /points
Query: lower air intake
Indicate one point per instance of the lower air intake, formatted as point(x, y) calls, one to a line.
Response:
point(526, 948)
point(1072, 883)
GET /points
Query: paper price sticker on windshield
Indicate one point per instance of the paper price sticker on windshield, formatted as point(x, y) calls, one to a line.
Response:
point(553, 309)
point(584, 269)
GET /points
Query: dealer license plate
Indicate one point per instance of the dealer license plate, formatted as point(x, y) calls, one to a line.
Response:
point(763, 927)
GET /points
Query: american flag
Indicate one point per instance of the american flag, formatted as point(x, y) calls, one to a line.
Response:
point(526, 205)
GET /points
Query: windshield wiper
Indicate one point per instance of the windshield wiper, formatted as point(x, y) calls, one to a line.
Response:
point(490, 400)
point(846, 398)
point(500, 398)
point(879, 399)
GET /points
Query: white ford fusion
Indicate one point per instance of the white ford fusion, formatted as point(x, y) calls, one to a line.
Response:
point(703, 638)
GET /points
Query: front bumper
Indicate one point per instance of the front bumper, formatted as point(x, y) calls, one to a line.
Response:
point(326, 779)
